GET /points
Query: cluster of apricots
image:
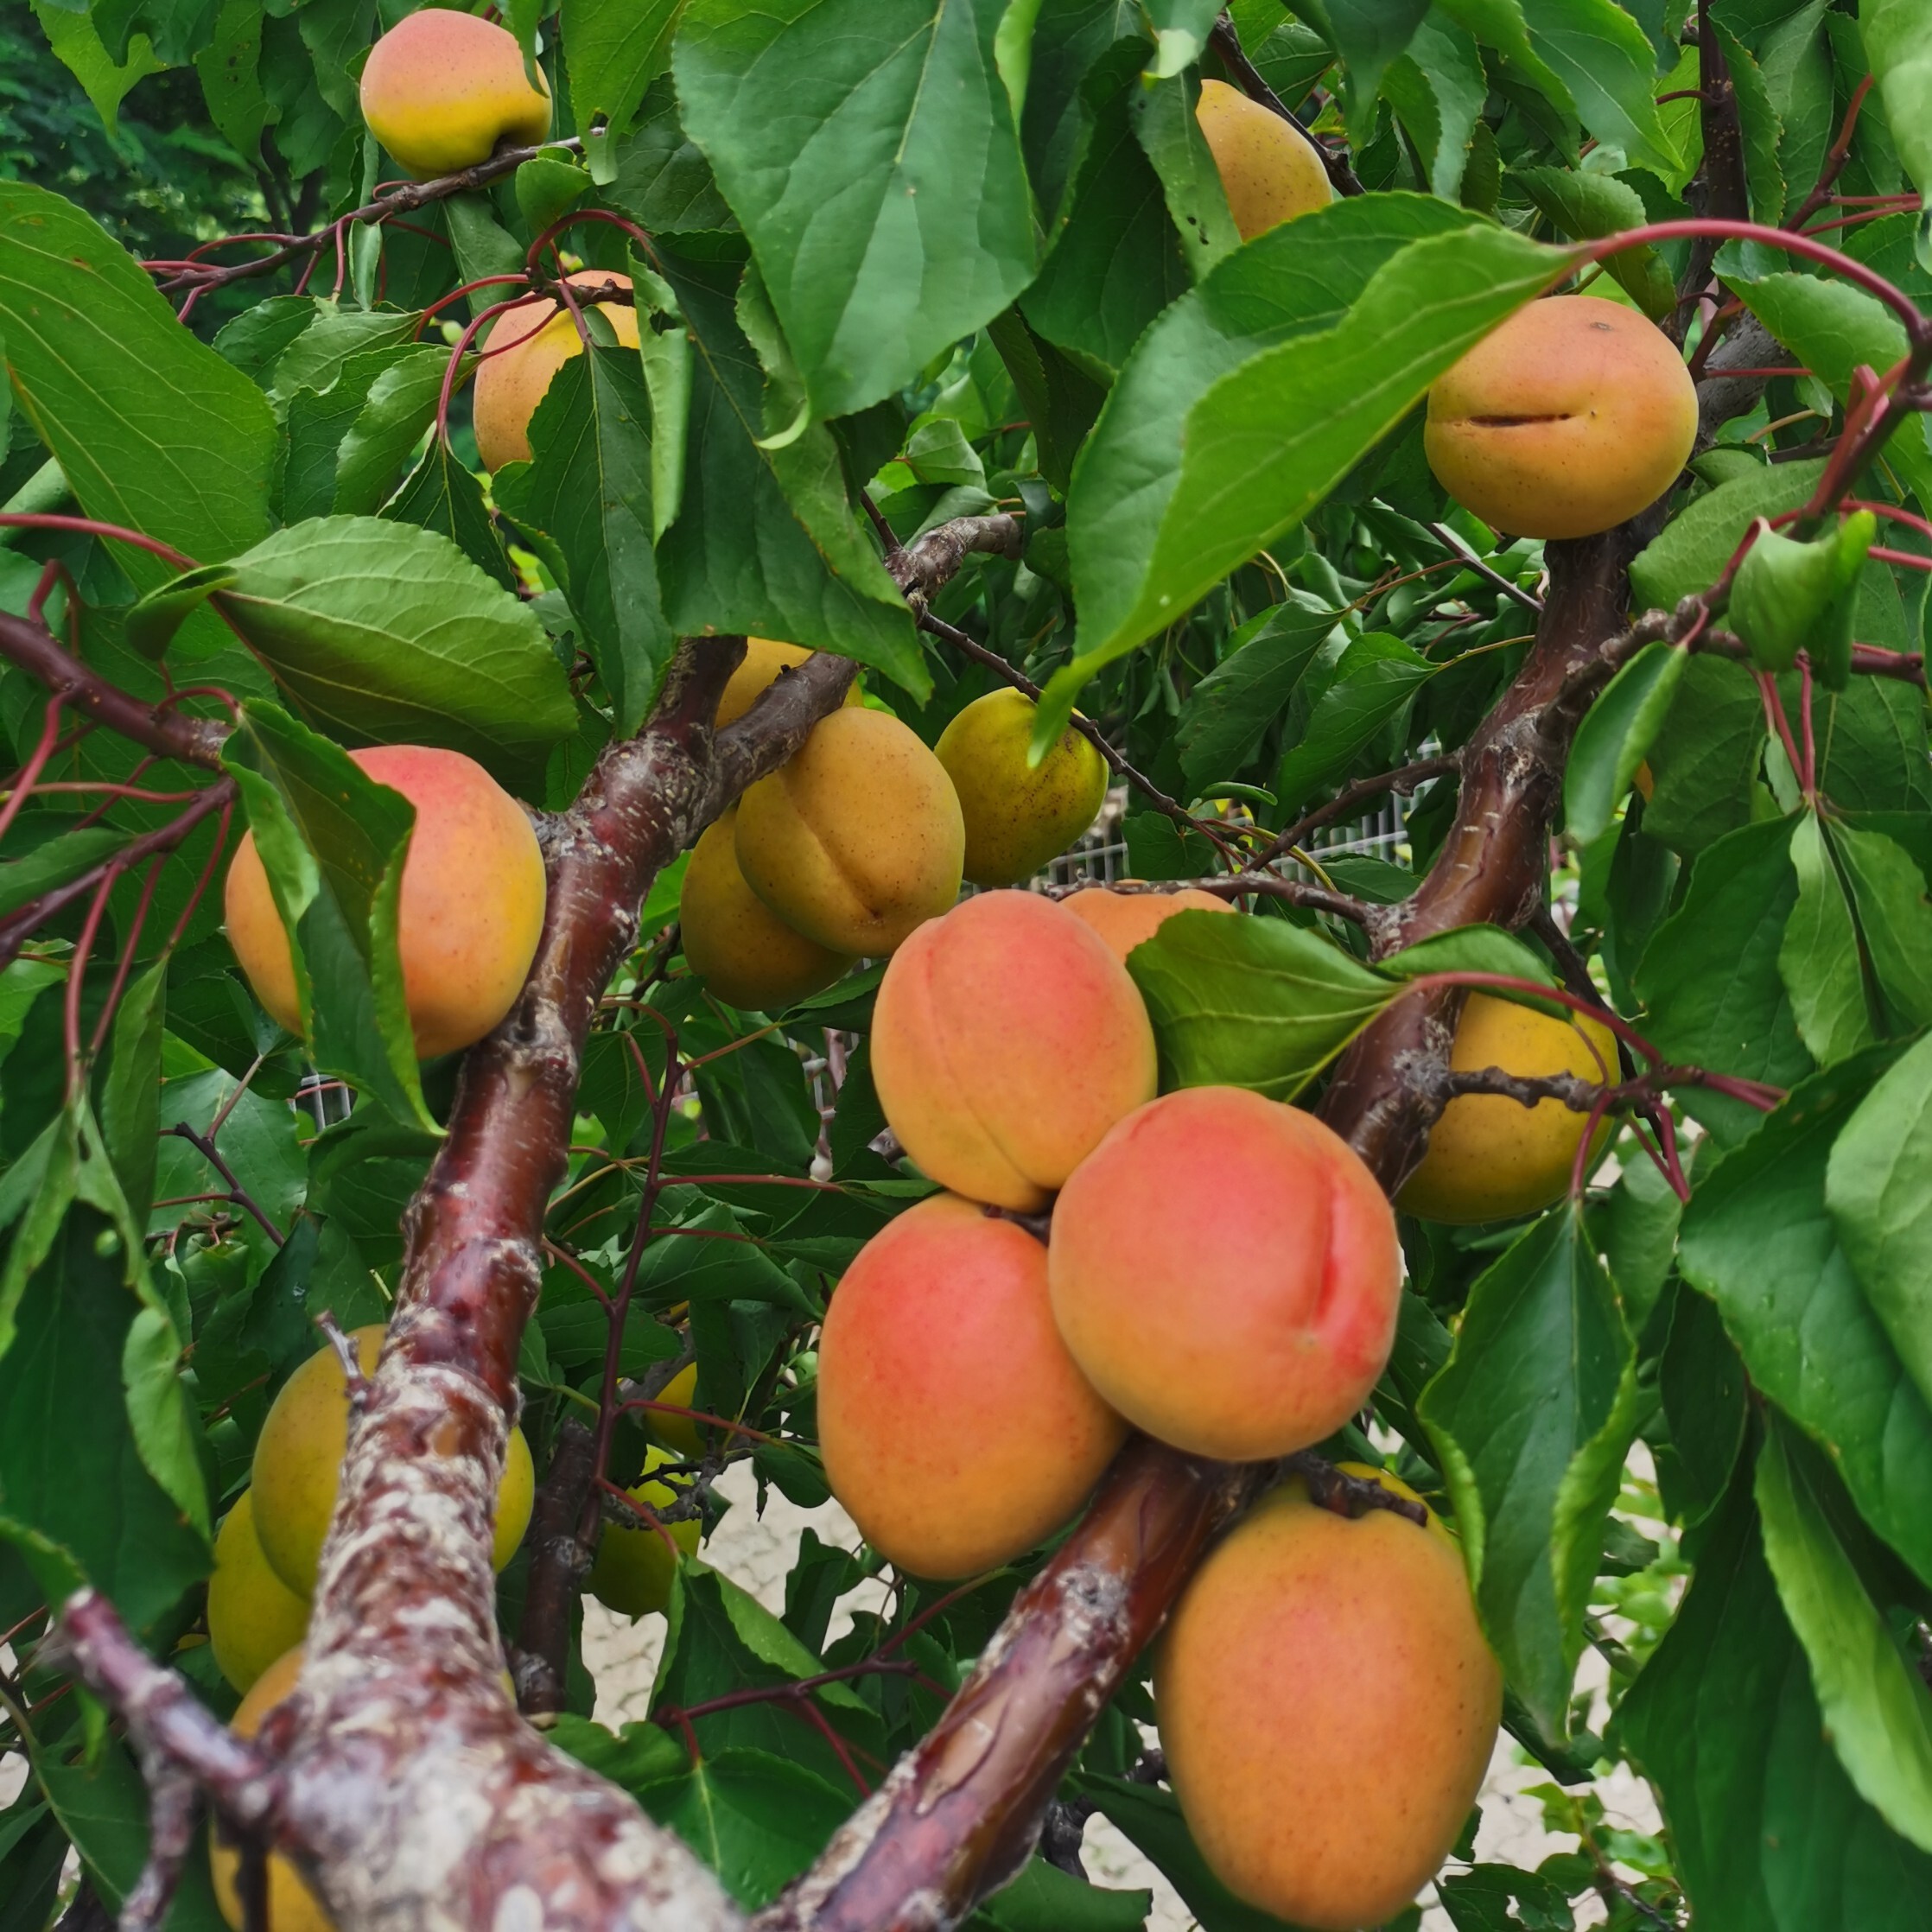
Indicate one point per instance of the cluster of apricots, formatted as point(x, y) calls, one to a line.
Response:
point(1220, 1271)
point(266, 1557)
point(866, 834)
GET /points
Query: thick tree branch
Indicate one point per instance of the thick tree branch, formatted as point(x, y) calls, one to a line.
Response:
point(933, 559)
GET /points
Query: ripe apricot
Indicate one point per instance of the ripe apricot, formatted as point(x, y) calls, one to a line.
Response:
point(955, 1429)
point(292, 1906)
point(763, 661)
point(857, 840)
point(1126, 920)
point(471, 912)
point(746, 953)
point(1225, 1270)
point(1017, 818)
point(298, 1464)
point(1328, 1706)
point(535, 343)
point(633, 1569)
point(253, 1616)
point(1268, 169)
point(1006, 1041)
point(1573, 414)
point(1489, 1158)
point(440, 89)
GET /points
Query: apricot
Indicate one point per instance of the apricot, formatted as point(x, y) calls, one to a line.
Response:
point(1006, 1041)
point(678, 1434)
point(292, 1906)
point(1126, 920)
point(1225, 1270)
point(471, 912)
point(523, 348)
point(1492, 1159)
point(955, 1425)
point(858, 841)
point(1017, 818)
point(441, 89)
point(1568, 419)
point(1269, 170)
point(747, 955)
point(633, 1569)
point(253, 1616)
point(1328, 1706)
point(298, 1464)
point(764, 662)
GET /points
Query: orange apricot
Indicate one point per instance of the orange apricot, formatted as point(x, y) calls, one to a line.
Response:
point(955, 1429)
point(1268, 168)
point(534, 342)
point(1006, 1041)
point(471, 905)
point(1328, 1706)
point(1570, 417)
point(440, 89)
point(1225, 1270)
point(1124, 920)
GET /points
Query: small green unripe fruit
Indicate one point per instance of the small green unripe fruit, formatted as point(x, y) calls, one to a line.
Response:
point(1017, 818)
point(298, 1464)
point(253, 1616)
point(633, 1569)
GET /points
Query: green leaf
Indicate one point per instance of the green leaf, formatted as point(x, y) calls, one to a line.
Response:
point(756, 1818)
point(589, 490)
point(1266, 442)
point(1702, 1383)
point(766, 542)
point(160, 1414)
point(75, 1496)
point(1586, 206)
point(1261, 1004)
point(1767, 1829)
point(1789, 596)
point(1895, 921)
point(1710, 977)
point(332, 842)
point(61, 860)
point(384, 630)
point(1368, 35)
point(1691, 553)
point(1162, 111)
point(103, 1806)
point(151, 428)
point(1879, 1187)
point(1530, 1421)
point(1478, 949)
point(1229, 711)
point(1759, 1239)
point(1896, 44)
point(617, 47)
point(1374, 679)
point(400, 407)
point(1438, 89)
point(1818, 959)
point(1876, 1708)
point(441, 495)
point(868, 147)
point(1042, 1898)
point(1608, 67)
point(1616, 737)
point(75, 38)
point(131, 1094)
point(1762, 130)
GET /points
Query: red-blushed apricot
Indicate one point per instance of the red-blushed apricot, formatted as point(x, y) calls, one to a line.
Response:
point(523, 348)
point(1018, 816)
point(1328, 1706)
point(1006, 1041)
point(1491, 1158)
point(955, 1429)
point(764, 660)
point(440, 89)
point(1571, 415)
point(1225, 1270)
point(857, 840)
point(1268, 168)
point(1125, 921)
point(472, 907)
point(747, 955)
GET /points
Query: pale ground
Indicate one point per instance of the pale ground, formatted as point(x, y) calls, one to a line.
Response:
point(756, 1552)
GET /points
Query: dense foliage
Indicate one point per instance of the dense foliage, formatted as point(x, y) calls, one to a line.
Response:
point(897, 263)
